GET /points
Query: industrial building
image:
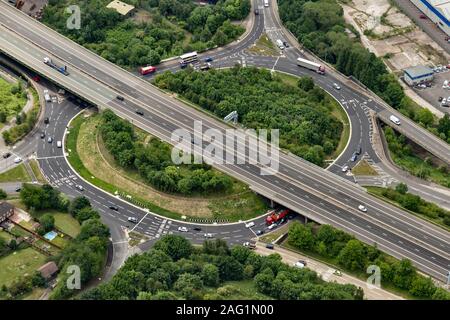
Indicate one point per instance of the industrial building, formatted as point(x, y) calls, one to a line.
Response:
point(417, 75)
point(437, 11)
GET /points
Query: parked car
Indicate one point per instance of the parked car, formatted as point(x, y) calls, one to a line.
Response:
point(182, 229)
point(362, 208)
point(133, 219)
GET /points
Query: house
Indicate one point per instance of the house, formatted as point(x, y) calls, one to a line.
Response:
point(48, 270)
point(121, 7)
point(6, 210)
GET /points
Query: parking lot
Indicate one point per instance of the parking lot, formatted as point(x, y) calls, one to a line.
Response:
point(435, 92)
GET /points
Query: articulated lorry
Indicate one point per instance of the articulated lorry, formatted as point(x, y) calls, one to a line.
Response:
point(50, 63)
point(311, 65)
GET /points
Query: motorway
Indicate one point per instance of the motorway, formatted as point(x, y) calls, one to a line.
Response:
point(299, 185)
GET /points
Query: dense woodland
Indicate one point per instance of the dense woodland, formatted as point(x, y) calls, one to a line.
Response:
point(174, 269)
point(353, 255)
point(154, 163)
point(302, 113)
point(167, 27)
point(320, 27)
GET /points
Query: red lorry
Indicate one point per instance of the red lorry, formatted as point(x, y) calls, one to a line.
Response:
point(146, 70)
point(276, 216)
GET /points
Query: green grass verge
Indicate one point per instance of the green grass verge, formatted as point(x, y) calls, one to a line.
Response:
point(363, 168)
point(377, 192)
point(19, 263)
point(16, 174)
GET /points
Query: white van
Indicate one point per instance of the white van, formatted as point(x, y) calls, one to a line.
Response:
point(395, 120)
point(59, 144)
point(280, 44)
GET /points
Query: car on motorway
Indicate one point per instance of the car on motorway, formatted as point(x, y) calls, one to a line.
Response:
point(114, 208)
point(270, 246)
point(344, 168)
point(272, 226)
point(120, 98)
point(133, 219)
point(354, 157)
point(197, 229)
point(6, 155)
point(50, 140)
point(250, 224)
point(362, 208)
point(42, 135)
point(18, 160)
point(259, 232)
point(208, 235)
point(182, 229)
point(47, 120)
point(139, 112)
point(336, 86)
point(79, 187)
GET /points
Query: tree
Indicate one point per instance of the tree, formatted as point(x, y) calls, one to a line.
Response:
point(401, 188)
point(47, 223)
point(210, 275)
point(305, 83)
point(176, 247)
point(422, 287)
point(301, 236)
point(353, 256)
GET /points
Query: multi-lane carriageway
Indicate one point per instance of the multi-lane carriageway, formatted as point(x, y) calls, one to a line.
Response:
point(298, 185)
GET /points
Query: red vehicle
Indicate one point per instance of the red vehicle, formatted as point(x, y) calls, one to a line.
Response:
point(146, 70)
point(276, 216)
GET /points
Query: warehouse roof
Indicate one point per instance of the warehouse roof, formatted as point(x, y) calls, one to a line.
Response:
point(440, 7)
point(418, 72)
point(121, 7)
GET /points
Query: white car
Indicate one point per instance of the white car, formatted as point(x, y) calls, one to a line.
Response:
point(250, 224)
point(18, 160)
point(362, 208)
point(336, 86)
point(344, 168)
point(208, 235)
point(182, 229)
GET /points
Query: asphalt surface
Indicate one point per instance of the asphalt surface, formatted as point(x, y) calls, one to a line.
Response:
point(298, 185)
